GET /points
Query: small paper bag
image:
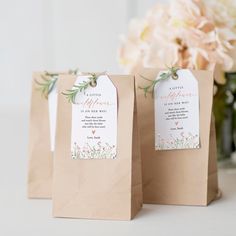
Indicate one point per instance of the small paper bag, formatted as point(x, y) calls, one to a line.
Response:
point(42, 134)
point(88, 183)
point(177, 176)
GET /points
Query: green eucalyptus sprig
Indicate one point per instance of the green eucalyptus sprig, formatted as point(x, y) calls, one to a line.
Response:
point(81, 87)
point(170, 73)
point(48, 82)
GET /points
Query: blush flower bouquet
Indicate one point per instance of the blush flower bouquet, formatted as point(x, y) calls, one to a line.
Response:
point(195, 34)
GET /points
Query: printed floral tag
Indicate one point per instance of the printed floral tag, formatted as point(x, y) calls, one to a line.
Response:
point(177, 112)
point(94, 120)
point(52, 106)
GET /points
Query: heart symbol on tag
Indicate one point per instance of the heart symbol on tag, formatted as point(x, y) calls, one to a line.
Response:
point(93, 131)
point(176, 123)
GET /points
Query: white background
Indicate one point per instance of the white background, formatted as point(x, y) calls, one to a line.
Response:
point(59, 35)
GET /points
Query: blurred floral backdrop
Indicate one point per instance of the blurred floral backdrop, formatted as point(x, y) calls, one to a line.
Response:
point(196, 34)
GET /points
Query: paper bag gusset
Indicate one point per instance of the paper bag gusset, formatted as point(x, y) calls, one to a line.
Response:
point(177, 134)
point(97, 164)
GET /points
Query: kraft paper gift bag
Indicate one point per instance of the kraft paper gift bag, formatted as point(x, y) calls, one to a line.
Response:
point(42, 132)
point(178, 167)
point(97, 165)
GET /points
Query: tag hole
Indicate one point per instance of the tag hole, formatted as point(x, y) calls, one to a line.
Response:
point(175, 76)
point(93, 83)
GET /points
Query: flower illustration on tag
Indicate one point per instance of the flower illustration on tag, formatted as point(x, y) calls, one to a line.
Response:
point(97, 151)
point(182, 141)
point(93, 131)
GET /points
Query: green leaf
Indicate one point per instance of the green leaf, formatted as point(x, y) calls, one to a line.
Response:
point(71, 93)
point(164, 76)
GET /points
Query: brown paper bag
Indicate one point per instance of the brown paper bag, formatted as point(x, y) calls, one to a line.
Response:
point(98, 188)
point(186, 177)
point(40, 155)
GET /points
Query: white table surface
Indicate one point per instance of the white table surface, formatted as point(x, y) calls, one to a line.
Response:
point(20, 216)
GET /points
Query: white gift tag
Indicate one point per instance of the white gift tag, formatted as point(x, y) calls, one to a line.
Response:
point(52, 106)
point(94, 120)
point(177, 112)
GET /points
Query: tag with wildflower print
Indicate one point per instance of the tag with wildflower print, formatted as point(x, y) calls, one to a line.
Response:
point(177, 112)
point(94, 120)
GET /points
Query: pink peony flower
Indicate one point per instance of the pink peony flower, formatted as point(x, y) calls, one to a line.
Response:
point(187, 33)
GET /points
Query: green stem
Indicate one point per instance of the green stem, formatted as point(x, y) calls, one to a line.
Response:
point(170, 73)
point(81, 87)
point(49, 81)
